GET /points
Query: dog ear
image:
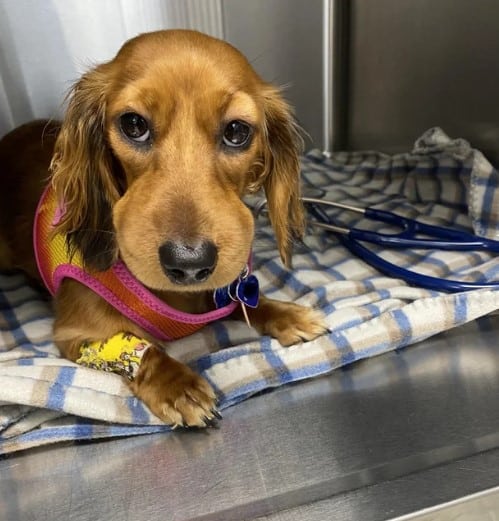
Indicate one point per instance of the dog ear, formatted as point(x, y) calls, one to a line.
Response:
point(281, 178)
point(84, 175)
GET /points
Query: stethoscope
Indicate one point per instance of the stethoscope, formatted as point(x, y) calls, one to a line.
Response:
point(435, 237)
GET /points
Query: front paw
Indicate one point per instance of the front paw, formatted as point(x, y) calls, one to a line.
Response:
point(173, 392)
point(289, 323)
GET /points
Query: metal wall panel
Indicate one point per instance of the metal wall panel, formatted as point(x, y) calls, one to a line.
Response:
point(415, 64)
point(409, 65)
point(283, 41)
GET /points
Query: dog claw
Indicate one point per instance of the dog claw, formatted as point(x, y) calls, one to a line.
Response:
point(217, 414)
point(210, 422)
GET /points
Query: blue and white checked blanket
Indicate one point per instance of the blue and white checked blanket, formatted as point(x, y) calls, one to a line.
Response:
point(46, 399)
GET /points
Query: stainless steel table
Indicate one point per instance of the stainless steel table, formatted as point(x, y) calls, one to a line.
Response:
point(386, 437)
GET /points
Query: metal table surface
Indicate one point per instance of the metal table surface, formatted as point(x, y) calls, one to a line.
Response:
point(386, 437)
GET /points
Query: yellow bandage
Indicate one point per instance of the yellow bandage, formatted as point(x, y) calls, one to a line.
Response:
point(122, 354)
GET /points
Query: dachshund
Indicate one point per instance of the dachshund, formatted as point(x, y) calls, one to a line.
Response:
point(148, 169)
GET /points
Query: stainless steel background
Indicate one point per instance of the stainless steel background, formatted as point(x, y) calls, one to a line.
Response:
point(283, 41)
point(415, 64)
point(409, 65)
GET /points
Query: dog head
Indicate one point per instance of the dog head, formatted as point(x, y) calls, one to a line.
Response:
point(157, 148)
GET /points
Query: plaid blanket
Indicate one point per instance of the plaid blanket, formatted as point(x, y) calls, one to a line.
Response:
point(45, 399)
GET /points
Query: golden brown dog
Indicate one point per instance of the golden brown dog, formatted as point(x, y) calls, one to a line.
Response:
point(155, 152)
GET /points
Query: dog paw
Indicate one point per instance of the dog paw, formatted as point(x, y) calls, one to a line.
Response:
point(289, 323)
point(175, 393)
point(297, 324)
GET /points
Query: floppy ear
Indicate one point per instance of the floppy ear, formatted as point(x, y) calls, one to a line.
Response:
point(282, 172)
point(83, 173)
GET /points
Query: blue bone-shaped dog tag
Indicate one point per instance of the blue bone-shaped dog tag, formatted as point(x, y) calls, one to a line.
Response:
point(245, 290)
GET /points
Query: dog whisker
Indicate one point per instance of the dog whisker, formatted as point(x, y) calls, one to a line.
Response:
point(98, 230)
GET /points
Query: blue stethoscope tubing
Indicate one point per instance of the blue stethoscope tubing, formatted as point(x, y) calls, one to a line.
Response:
point(438, 238)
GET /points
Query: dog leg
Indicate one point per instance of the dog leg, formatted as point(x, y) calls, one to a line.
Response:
point(171, 390)
point(289, 323)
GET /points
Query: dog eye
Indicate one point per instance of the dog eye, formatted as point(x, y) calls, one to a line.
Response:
point(237, 134)
point(135, 127)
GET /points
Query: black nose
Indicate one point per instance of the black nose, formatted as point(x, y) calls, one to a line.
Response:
point(188, 263)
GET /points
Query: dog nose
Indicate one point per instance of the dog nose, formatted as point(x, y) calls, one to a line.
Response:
point(186, 263)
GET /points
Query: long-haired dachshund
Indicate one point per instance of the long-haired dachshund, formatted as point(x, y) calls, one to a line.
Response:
point(148, 170)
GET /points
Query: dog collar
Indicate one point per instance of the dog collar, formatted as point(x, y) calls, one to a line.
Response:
point(121, 289)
